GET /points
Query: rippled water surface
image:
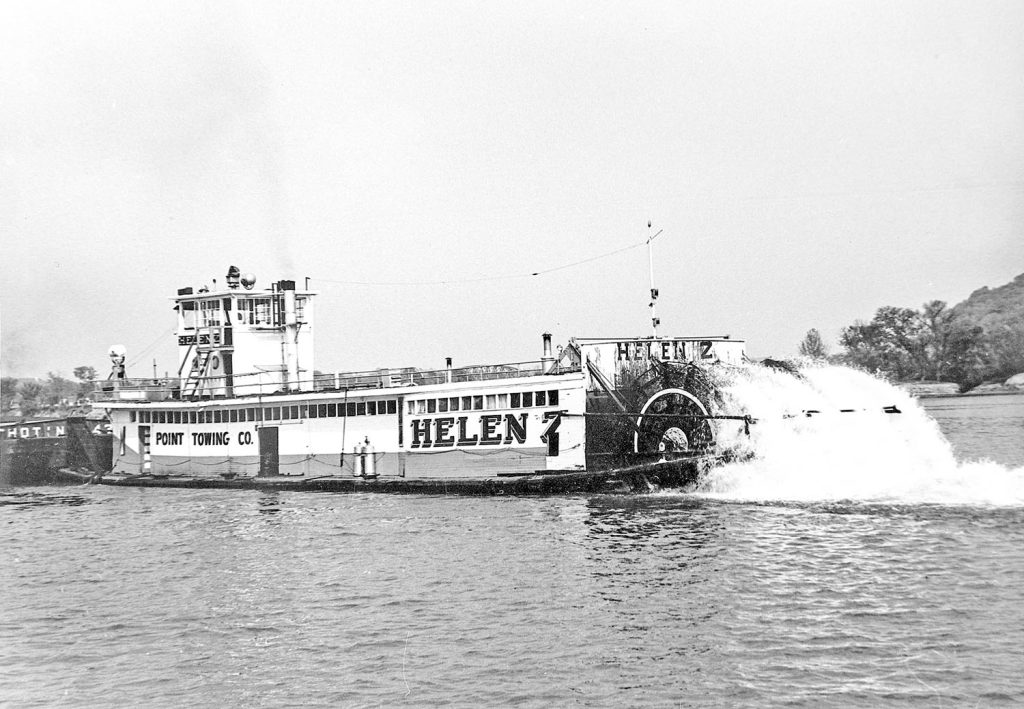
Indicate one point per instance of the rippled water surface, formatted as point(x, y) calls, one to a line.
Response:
point(130, 597)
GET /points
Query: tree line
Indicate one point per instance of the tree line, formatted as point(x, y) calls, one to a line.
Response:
point(24, 398)
point(930, 344)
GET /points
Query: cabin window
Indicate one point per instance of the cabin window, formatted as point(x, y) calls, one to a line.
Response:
point(144, 416)
point(421, 406)
point(286, 413)
point(431, 406)
point(478, 402)
point(217, 416)
point(361, 408)
point(491, 401)
point(322, 410)
point(516, 400)
point(350, 409)
point(412, 407)
point(191, 416)
point(300, 309)
point(266, 413)
point(553, 397)
point(392, 406)
point(442, 406)
point(262, 309)
point(163, 417)
point(453, 403)
point(304, 410)
point(542, 397)
point(527, 398)
point(314, 411)
point(233, 416)
point(295, 411)
point(467, 403)
point(250, 415)
point(371, 408)
point(177, 417)
point(332, 411)
point(131, 417)
point(502, 401)
point(275, 413)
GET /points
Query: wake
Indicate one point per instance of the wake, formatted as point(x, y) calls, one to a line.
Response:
point(864, 455)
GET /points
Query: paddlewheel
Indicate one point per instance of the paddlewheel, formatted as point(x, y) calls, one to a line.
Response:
point(673, 422)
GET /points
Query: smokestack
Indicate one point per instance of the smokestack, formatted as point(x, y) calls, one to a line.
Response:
point(448, 369)
point(291, 331)
point(546, 360)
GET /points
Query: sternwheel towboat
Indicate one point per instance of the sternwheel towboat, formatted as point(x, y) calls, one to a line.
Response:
point(248, 409)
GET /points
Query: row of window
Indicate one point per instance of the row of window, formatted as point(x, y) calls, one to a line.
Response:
point(249, 311)
point(475, 402)
point(516, 400)
point(270, 413)
point(257, 311)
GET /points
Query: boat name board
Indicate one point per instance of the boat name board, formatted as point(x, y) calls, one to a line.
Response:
point(681, 350)
point(456, 431)
point(202, 339)
point(47, 430)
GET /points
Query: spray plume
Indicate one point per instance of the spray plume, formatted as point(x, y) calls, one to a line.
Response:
point(864, 454)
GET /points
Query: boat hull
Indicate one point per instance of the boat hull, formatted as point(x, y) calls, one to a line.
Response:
point(635, 479)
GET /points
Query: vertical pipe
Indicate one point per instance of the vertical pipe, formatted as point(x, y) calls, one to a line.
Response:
point(290, 334)
point(547, 361)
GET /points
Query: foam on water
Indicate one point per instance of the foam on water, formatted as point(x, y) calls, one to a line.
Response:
point(866, 455)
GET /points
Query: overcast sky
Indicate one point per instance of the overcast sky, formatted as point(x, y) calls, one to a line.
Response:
point(807, 162)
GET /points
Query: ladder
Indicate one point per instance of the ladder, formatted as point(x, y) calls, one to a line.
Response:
point(195, 376)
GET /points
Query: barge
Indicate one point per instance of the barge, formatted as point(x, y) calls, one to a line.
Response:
point(53, 450)
point(248, 408)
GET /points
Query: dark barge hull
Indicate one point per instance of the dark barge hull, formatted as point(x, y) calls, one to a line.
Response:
point(645, 478)
point(66, 444)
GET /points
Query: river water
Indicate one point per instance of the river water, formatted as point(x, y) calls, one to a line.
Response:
point(799, 578)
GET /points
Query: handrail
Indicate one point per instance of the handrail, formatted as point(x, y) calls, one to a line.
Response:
point(271, 382)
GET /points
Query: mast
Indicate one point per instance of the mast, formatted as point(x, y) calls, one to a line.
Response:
point(654, 291)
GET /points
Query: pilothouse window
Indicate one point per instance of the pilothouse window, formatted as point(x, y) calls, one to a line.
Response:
point(262, 308)
point(209, 313)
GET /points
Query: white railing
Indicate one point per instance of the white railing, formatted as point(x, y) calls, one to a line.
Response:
point(266, 383)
